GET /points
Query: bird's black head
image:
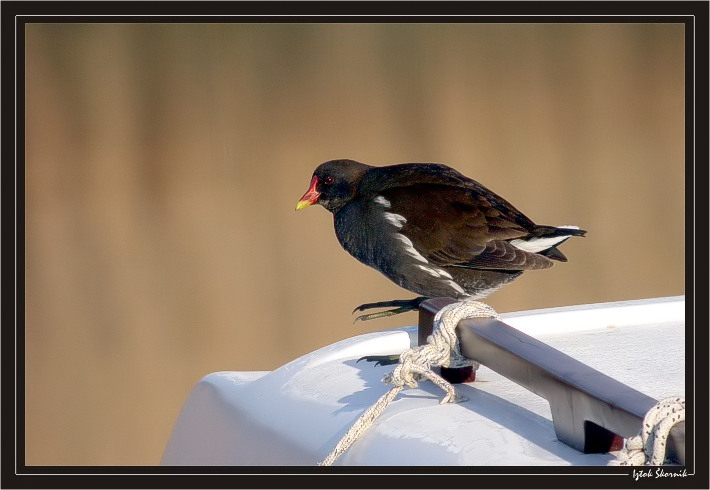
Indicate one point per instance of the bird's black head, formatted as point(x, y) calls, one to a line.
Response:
point(334, 184)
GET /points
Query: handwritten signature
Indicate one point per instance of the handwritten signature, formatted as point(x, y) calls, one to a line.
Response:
point(659, 473)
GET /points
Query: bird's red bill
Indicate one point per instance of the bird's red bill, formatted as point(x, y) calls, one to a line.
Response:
point(310, 196)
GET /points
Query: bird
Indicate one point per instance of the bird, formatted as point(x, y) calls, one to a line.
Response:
point(431, 230)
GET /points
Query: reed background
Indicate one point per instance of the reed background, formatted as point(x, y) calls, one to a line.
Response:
point(163, 164)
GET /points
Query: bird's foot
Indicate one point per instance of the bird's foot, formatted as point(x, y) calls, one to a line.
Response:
point(402, 306)
point(381, 360)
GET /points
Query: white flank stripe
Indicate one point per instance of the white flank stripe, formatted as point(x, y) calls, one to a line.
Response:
point(396, 219)
point(456, 287)
point(384, 202)
point(429, 270)
point(537, 244)
point(444, 273)
point(435, 272)
point(409, 247)
point(569, 227)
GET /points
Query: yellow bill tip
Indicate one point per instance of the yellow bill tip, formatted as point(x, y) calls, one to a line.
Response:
point(302, 204)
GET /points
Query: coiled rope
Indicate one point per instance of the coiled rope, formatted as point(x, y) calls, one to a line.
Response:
point(649, 447)
point(442, 349)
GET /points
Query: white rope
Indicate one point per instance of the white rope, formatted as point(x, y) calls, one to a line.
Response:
point(441, 349)
point(649, 447)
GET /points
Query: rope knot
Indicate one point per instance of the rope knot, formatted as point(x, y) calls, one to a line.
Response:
point(405, 374)
point(649, 447)
point(442, 349)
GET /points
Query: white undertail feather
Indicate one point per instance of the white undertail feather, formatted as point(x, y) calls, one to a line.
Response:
point(538, 244)
point(535, 245)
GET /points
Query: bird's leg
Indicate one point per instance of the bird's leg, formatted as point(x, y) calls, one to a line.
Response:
point(403, 306)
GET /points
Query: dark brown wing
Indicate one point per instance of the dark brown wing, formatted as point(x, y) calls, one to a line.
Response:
point(463, 226)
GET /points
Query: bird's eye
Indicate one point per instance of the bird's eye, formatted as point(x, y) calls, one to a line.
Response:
point(328, 180)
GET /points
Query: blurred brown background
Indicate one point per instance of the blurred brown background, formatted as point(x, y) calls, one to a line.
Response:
point(164, 163)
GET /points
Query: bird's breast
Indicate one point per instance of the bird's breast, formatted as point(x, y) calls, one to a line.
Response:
point(373, 234)
point(356, 235)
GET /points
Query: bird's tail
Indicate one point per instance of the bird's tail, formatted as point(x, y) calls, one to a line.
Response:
point(545, 240)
